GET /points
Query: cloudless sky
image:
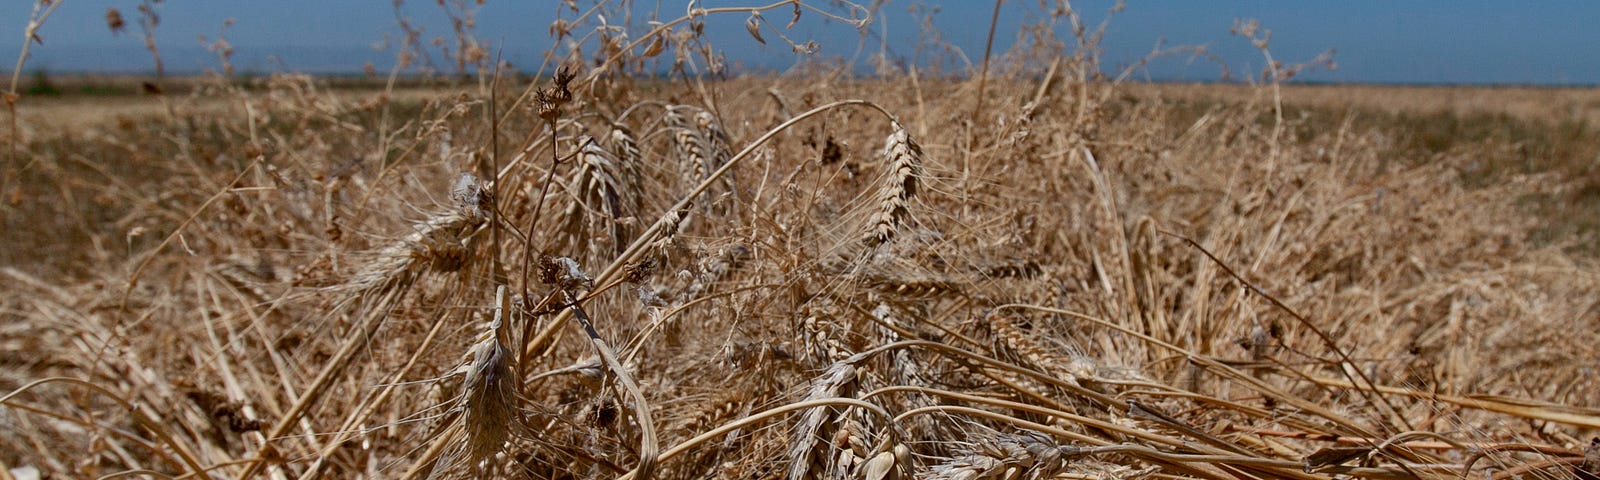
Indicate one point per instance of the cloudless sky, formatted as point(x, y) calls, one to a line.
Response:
point(1418, 41)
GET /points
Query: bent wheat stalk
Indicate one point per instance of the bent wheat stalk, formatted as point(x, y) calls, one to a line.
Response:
point(1577, 417)
point(648, 445)
point(1338, 421)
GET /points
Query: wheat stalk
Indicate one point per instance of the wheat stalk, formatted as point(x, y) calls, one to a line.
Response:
point(1024, 343)
point(717, 147)
point(439, 244)
point(485, 416)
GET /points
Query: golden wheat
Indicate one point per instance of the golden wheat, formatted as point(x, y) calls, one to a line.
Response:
point(1088, 279)
point(902, 171)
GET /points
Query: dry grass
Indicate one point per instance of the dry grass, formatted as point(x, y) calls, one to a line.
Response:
point(732, 279)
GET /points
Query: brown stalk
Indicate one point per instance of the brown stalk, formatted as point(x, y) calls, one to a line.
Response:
point(648, 445)
point(983, 75)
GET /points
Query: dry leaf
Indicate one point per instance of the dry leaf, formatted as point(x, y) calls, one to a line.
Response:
point(753, 25)
point(1331, 456)
point(114, 21)
point(655, 48)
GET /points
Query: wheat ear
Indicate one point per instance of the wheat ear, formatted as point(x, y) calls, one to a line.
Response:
point(904, 169)
point(597, 189)
point(839, 380)
point(692, 146)
point(1006, 457)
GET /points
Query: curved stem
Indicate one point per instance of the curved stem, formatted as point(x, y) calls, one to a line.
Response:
point(648, 236)
point(1275, 467)
point(757, 417)
point(648, 445)
point(1105, 401)
point(1049, 412)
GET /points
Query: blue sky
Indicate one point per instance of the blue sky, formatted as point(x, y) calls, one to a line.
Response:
point(1459, 41)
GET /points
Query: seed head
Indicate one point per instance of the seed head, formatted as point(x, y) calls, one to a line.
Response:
point(551, 99)
point(114, 21)
point(564, 76)
point(549, 106)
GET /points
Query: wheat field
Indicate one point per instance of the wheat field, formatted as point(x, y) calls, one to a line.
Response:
point(1040, 272)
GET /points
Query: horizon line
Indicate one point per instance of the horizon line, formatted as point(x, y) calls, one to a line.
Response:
point(346, 73)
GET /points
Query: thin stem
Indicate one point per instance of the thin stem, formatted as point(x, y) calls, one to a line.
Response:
point(533, 225)
point(35, 20)
point(988, 47)
point(133, 280)
point(492, 167)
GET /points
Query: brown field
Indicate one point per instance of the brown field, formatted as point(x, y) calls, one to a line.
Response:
point(805, 276)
